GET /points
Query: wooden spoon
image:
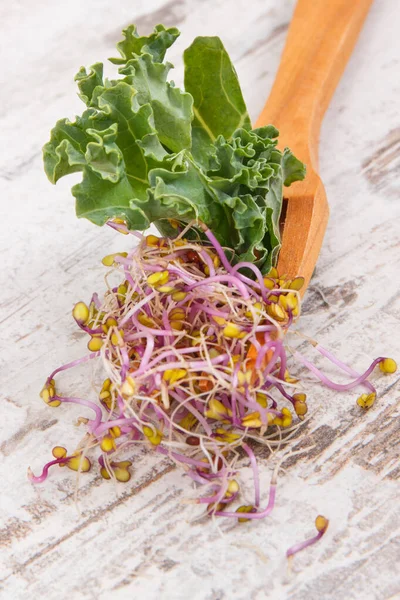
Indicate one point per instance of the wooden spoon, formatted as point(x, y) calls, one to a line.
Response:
point(320, 40)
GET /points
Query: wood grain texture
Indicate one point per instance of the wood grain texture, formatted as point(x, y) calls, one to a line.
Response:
point(140, 540)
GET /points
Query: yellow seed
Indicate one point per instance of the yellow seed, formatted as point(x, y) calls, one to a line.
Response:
point(289, 301)
point(77, 463)
point(124, 464)
point(145, 320)
point(219, 320)
point(122, 475)
point(244, 509)
point(216, 410)
point(300, 408)
point(115, 431)
point(321, 523)
point(252, 420)
point(152, 241)
point(287, 417)
point(366, 400)
point(80, 312)
point(107, 444)
point(289, 379)
point(167, 374)
point(109, 260)
point(258, 307)
point(207, 270)
point(388, 365)
point(45, 395)
point(48, 393)
point(174, 223)
point(54, 403)
point(128, 387)
point(104, 473)
point(158, 278)
point(154, 278)
point(154, 438)
point(106, 384)
point(216, 261)
point(244, 377)
point(296, 283)
point(269, 283)
point(273, 273)
point(188, 422)
point(59, 452)
point(233, 331)
point(177, 314)
point(225, 436)
point(166, 289)
point(117, 338)
point(177, 325)
point(173, 375)
point(178, 296)
point(262, 399)
point(122, 289)
point(233, 486)
point(94, 344)
point(276, 312)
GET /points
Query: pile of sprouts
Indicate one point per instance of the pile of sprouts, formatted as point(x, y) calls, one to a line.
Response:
point(195, 357)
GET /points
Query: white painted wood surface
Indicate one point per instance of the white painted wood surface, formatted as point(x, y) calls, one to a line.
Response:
point(137, 540)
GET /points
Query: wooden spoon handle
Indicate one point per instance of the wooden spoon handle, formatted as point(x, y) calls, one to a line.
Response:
point(320, 40)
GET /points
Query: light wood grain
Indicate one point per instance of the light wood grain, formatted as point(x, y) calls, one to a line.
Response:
point(137, 540)
point(319, 43)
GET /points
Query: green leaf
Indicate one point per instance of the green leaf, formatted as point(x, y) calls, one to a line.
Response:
point(88, 82)
point(152, 153)
point(219, 108)
point(293, 168)
point(155, 44)
point(172, 108)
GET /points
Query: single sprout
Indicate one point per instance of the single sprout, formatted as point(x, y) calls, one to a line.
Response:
point(321, 524)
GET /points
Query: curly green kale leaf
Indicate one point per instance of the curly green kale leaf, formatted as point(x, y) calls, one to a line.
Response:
point(151, 153)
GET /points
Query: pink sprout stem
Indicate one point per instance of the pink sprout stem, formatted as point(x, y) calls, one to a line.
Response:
point(45, 471)
point(340, 387)
point(74, 363)
point(343, 366)
point(256, 477)
point(82, 402)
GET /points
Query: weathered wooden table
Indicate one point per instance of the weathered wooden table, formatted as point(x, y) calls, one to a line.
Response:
point(140, 539)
